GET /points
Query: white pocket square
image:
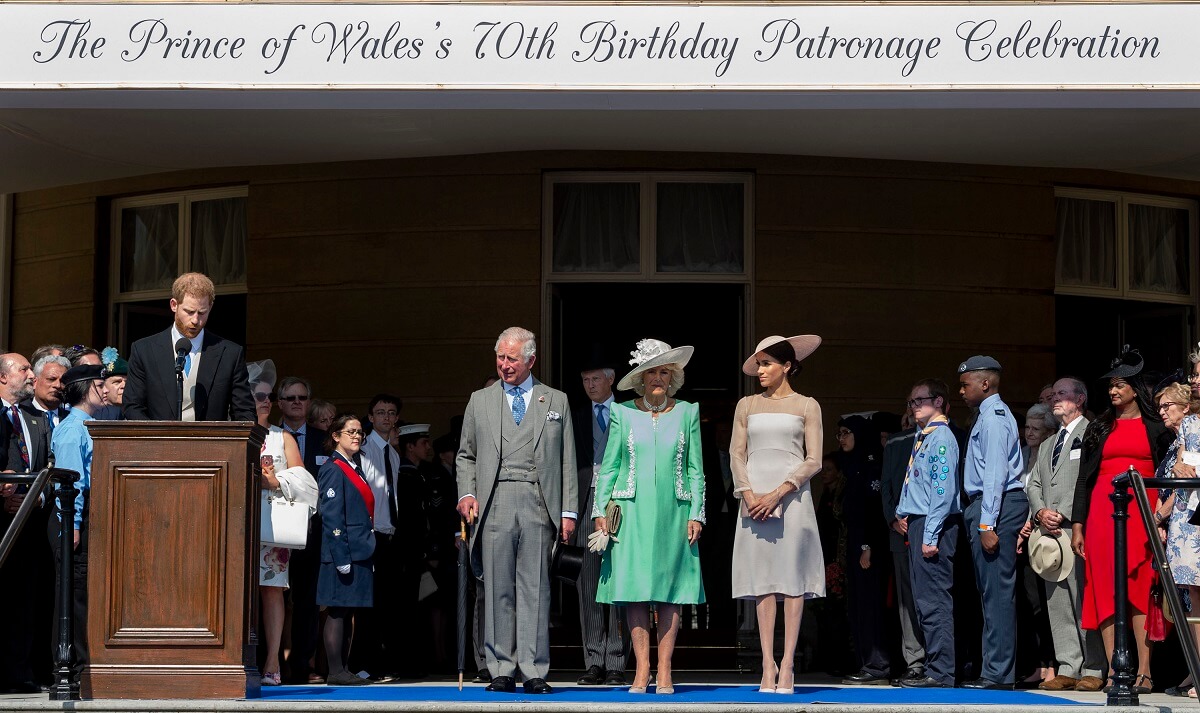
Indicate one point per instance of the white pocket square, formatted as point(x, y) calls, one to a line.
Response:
point(553, 416)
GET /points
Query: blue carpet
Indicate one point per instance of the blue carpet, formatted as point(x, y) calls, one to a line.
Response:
point(873, 695)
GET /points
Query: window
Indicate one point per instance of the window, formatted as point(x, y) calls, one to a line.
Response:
point(647, 226)
point(158, 237)
point(1126, 246)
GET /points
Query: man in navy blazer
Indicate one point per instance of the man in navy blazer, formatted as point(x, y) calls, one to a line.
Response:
point(215, 385)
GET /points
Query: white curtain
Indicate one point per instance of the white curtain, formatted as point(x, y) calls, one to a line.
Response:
point(596, 227)
point(1087, 243)
point(149, 247)
point(1158, 249)
point(219, 239)
point(700, 227)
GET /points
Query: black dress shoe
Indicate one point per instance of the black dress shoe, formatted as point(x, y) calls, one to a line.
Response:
point(615, 678)
point(593, 677)
point(345, 678)
point(503, 684)
point(482, 676)
point(922, 682)
point(865, 678)
point(538, 685)
point(984, 684)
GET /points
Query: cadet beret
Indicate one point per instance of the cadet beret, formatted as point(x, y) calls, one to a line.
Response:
point(83, 372)
point(979, 363)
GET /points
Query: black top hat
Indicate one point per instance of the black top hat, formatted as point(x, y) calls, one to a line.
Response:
point(597, 358)
point(1128, 363)
point(567, 562)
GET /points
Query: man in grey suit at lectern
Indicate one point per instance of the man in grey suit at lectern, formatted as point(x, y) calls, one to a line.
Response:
point(516, 471)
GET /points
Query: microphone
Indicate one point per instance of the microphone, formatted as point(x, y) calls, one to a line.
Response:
point(182, 347)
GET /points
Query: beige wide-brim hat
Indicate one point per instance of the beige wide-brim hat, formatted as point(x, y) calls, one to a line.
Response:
point(261, 372)
point(1051, 556)
point(804, 344)
point(650, 353)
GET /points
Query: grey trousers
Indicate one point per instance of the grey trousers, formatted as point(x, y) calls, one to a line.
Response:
point(604, 642)
point(911, 639)
point(517, 541)
point(1079, 653)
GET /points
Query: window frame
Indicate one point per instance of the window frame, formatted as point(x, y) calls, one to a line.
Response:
point(647, 224)
point(1123, 260)
point(183, 200)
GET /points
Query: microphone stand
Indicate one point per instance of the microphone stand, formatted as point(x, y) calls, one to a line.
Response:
point(179, 362)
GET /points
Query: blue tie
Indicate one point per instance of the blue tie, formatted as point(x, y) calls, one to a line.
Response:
point(518, 405)
point(1058, 446)
point(187, 364)
point(600, 417)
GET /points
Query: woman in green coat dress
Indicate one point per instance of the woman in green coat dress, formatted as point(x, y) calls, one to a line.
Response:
point(653, 470)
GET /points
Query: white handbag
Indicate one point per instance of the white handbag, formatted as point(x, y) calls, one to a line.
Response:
point(283, 522)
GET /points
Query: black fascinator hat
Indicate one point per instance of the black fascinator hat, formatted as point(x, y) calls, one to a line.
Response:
point(1128, 363)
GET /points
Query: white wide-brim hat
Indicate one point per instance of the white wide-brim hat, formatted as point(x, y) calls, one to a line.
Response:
point(650, 353)
point(261, 372)
point(804, 344)
point(1051, 556)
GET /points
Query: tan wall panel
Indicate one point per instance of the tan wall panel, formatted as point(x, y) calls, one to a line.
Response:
point(390, 259)
point(71, 324)
point(36, 281)
point(70, 228)
point(915, 261)
point(815, 202)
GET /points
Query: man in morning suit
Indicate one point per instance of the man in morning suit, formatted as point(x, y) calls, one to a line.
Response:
point(929, 514)
point(996, 510)
point(605, 649)
point(21, 444)
point(517, 473)
point(1051, 490)
point(215, 386)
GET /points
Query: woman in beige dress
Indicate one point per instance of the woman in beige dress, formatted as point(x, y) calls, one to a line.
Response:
point(776, 449)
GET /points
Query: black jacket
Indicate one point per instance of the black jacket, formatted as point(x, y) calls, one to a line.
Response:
point(222, 386)
point(1160, 438)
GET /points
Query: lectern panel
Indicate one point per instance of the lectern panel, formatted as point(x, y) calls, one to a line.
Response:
point(168, 509)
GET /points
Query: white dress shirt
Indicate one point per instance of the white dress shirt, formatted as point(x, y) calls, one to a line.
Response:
point(374, 451)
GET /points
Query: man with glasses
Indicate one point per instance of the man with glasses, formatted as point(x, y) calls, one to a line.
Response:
point(215, 384)
point(929, 515)
point(1051, 490)
point(294, 398)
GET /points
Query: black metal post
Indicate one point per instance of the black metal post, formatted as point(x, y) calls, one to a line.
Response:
point(1121, 693)
point(62, 689)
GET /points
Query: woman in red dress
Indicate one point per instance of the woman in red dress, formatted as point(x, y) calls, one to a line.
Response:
point(1129, 433)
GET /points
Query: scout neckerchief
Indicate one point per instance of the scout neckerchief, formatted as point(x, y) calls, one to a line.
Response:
point(360, 485)
point(934, 424)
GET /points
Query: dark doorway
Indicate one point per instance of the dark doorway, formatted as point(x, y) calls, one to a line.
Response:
point(609, 319)
point(1090, 332)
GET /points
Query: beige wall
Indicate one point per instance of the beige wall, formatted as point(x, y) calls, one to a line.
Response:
point(397, 275)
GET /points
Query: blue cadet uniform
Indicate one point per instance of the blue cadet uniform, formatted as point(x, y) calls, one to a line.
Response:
point(930, 501)
point(996, 502)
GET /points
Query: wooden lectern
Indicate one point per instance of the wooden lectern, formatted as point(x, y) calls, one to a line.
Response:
point(173, 540)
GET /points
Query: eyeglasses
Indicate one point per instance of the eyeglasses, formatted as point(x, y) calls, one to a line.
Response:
point(916, 400)
point(1168, 404)
point(353, 433)
point(261, 396)
point(843, 433)
point(290, 399)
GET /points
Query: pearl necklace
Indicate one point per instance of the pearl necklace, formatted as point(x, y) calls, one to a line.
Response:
point(652, 408)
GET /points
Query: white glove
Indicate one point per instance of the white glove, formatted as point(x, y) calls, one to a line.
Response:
point(344, 569)
point(598, 541)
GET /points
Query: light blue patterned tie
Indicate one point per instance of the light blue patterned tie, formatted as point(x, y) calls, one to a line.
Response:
point(601, 417)
point(187, 364)
point(518, 405)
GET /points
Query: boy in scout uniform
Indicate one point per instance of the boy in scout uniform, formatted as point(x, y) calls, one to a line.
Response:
point(929, 514)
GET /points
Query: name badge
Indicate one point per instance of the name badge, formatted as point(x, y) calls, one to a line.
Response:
point(321, 460)
point(1075, 453)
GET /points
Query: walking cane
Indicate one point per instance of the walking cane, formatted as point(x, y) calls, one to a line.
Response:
point(463, 573)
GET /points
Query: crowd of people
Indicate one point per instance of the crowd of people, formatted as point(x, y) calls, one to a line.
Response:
point(937, 556)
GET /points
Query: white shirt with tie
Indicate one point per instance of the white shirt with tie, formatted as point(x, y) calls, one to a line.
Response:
point(374, 452)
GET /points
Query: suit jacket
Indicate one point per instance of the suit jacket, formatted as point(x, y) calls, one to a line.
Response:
point(1053, 486)
point(349, 536)
point(581, 424)
point(222, 387)
point(896, 453)
point(1160, 438)
point(478, 461)
point(39, 433)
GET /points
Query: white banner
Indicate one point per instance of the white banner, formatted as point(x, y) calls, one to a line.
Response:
point(600, 47)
